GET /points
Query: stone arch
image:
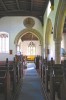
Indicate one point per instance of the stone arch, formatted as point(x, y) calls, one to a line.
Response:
point(59, 20)
point(24, 31)
point(58, 29)
point(47, 34)
point(48, 30)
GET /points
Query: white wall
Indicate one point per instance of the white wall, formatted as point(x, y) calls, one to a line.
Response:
point(6, 55)
point(63, 45)
point(64, 38)
point(14, 25)
point(63, 42)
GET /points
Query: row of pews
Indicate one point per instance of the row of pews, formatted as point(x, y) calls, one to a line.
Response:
point(53, 77)
point(10, 74)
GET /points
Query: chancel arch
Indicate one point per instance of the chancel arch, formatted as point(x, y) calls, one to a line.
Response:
point(31, 31)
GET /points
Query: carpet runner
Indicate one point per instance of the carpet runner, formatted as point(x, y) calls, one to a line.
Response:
point(31, 86)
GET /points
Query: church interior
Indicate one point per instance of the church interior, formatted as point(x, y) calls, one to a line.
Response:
point(32, 49)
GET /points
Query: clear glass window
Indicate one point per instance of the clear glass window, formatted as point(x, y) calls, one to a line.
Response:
point(31, 49)
point(4, 42)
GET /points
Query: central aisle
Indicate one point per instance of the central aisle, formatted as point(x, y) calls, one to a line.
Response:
point(31, 85)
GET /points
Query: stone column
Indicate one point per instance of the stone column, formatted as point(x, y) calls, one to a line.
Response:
point(57, 52)
point(46, 48)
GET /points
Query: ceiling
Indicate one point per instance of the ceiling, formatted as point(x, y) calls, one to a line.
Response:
point(23, 7)
point(34, 8)
point(29, 36)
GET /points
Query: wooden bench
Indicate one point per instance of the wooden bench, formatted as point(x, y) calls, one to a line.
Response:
point(56, 78)
point(43, 71)
point(48, 65)
point(63, 86)
point(10, 74)
point(5, 79)
point(2, 80)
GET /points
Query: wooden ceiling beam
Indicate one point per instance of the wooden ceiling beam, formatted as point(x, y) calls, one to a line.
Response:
point(21, 13)
point(31, 4)
point(3, 5)
point(17, 4)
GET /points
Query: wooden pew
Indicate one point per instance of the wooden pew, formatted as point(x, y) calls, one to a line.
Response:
point(63, 86)
point(10, 74)
point(40, 67)
point(18, 73)
point(19, 66)
point(43, 70)
point(9, 69)
point(2, 80)
point(15, 69)
point(12, 70)
point(48, 65)
point(5, 80)
point(56, 79)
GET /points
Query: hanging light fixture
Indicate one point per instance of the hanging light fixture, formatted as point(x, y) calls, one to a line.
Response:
point(31, 44)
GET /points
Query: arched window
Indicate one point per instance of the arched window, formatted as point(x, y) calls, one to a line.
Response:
point(4, 42)
point(31, 48)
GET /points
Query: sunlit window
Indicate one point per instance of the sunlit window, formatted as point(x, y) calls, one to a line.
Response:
point(31, 48)
point(4, 42)
point(18, 50)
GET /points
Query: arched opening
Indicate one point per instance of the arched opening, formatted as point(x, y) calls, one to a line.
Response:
point(29, 43)
point(49, 43)
point(59, 33)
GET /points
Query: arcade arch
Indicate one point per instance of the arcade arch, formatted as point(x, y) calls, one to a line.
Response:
point(49, 43)
point(58, 29)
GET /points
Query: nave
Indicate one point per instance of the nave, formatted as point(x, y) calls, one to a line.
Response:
point(30, 87)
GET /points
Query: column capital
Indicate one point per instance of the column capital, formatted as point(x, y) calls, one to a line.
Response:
point(58, 40)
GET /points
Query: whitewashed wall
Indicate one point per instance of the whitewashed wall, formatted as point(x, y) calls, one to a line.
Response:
point(13, 25)
point(64, 41)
